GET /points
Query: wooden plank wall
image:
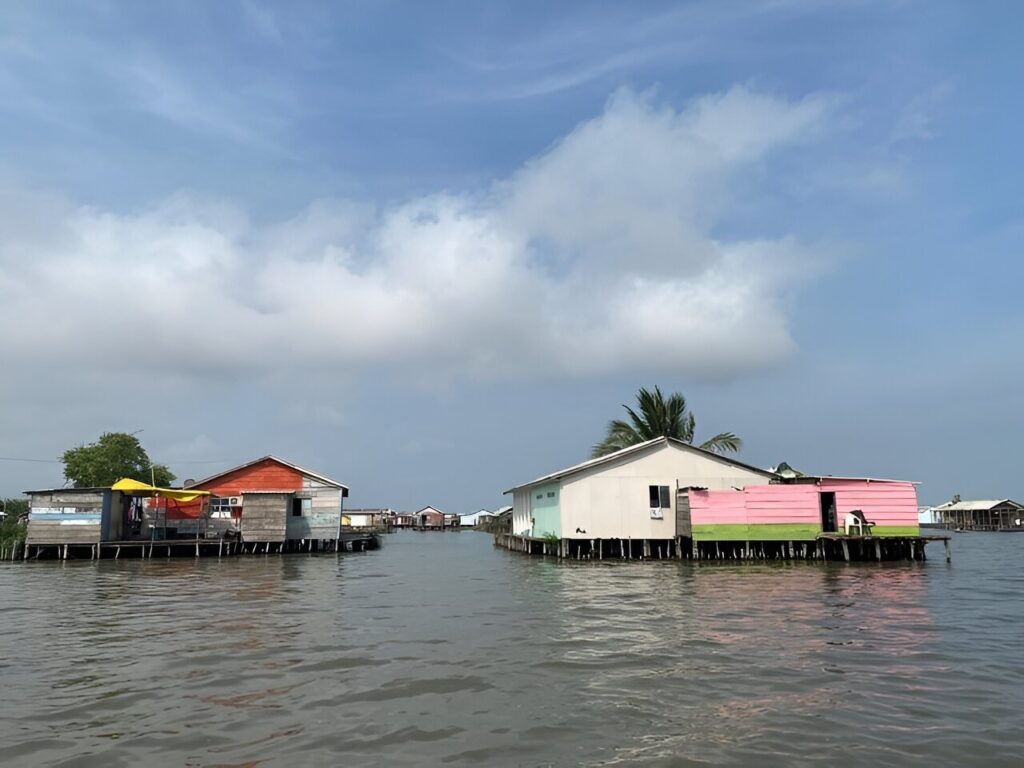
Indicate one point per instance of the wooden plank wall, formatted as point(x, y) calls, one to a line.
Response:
point(78, 528)
point(47, 532)
point(322, 520)
point(684, 526)
point(265, 516)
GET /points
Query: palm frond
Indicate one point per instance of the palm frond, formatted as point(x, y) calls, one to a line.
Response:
point(726, 442)
point(619, 435)
point(658, 416)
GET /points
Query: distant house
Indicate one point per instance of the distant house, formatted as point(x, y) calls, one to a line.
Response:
point(474, 519)
point(431, 517)
point(983, 515)
point(630, 494)
point(401, 520)
point(368, 518)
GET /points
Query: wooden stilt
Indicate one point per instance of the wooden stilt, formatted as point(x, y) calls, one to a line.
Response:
point(878, 550)
point(197, 548)
point(846, 550)
point(949, 554)
point(117, 552)
point(220, 547)
point(600, 548)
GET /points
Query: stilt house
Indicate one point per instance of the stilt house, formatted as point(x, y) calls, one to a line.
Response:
point(267, 500)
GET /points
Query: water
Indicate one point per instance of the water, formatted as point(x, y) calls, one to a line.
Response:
point(439, 649)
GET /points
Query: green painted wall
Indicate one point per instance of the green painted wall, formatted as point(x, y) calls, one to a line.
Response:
point(896, 530)
point(547, 517)
point(784, 532)
point(762, 532)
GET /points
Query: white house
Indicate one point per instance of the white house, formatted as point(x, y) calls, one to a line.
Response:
point(630, 494)
point(474, 519)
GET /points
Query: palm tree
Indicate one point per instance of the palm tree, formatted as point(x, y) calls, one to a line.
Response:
point(660, 417)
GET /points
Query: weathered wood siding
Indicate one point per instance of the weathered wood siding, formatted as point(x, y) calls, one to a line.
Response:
point(320, 519)
point(264, 516)
point(684, 523)
point(65, 517)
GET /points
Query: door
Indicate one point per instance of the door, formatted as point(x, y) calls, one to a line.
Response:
point(828, 512)
point(684, 526)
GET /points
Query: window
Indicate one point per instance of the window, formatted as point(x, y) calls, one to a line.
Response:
point(302, 507)
point(220, 508)
point(551, 494)
point(540, 495)
point(659, 497)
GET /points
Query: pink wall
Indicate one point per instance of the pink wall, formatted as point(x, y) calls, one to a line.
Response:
point(883, 503)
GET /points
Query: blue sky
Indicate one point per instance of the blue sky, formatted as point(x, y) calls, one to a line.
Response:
point(430, 248)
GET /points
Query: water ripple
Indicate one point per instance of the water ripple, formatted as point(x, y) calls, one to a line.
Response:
point(441, 649)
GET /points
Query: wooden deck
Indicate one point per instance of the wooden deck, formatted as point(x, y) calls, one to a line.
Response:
point(825, 547)
point(212, 547)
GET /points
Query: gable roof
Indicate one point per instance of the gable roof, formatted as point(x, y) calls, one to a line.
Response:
point(977, 506)
point(268, 457)
point(428, 509)
point(637, 449)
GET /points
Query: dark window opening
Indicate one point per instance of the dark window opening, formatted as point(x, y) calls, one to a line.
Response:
point(659, 497)
point(296, 507)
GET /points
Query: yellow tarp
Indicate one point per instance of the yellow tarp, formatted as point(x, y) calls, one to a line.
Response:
point(135, 488)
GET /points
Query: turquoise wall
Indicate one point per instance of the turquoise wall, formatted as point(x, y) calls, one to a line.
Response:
point(545, 512)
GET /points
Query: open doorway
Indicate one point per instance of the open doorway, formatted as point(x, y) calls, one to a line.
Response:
point(828, 512)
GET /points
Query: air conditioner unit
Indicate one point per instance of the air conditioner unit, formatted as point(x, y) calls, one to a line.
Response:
point(235, 501)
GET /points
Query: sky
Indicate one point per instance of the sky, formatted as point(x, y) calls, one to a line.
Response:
point(430, 249)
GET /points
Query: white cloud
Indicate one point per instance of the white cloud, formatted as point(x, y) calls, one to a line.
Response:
point(597, 257)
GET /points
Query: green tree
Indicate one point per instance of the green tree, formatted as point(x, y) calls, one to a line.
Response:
point(12, 524)
point(114, 456)
point(660, 416)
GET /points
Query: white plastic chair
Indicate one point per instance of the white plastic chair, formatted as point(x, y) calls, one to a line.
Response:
point(854, 523)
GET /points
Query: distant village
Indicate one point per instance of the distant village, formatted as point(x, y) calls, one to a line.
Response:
point(659, 499)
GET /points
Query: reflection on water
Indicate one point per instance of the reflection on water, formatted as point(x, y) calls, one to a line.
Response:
point(441, 649)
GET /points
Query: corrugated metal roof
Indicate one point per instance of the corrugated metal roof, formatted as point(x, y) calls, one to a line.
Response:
point(69, 490)
point(639, 448)
point(979, 505)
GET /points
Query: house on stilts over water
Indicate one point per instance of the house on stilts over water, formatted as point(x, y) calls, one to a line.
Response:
point(267, 505)
point(668, 499)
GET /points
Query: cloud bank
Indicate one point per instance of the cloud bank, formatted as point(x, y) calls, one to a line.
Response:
point(602, 255)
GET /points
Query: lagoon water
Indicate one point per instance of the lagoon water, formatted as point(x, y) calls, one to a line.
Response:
point(441, 650)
